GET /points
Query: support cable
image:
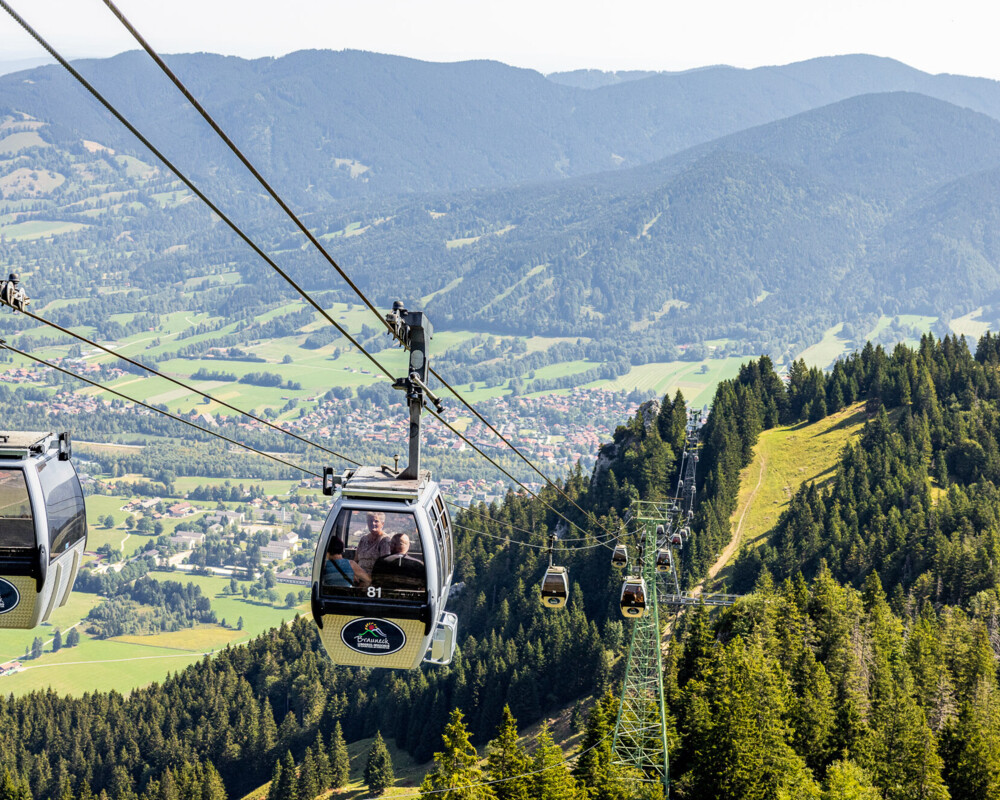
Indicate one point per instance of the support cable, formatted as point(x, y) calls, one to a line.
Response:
point(174, 417)
point(310, 236)
point(477, 532)
point(184, 385)
point(245, 238)
point(487, 517)
point(187, 181)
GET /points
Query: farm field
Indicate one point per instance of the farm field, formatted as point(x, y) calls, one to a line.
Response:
point(14, 643)
point(667, 377)
point(829, 349)
point(187, 483)
point(971, 326)
point(127, 662)
point(783, 459)
point(98, 665)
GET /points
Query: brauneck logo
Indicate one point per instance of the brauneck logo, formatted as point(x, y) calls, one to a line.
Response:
point(376, 637)
point(9, 596)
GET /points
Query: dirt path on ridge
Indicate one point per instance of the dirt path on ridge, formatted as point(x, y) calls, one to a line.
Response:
point(734, 543)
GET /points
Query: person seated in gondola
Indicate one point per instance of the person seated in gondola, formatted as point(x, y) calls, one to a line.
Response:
point(342, 572)
point(399, 570)
point(374, 544)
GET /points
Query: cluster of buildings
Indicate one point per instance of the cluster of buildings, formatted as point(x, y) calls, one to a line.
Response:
point(557, 430)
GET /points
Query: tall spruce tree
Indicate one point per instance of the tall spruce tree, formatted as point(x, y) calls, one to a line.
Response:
point(378, 768)
point(456, 774)
point(340, 761)
point(506, 762)
point(551, 779)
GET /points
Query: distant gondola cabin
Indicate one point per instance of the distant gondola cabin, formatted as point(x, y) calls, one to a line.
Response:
point(555, 587)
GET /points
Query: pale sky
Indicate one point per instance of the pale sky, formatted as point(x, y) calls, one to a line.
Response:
point(958, 36)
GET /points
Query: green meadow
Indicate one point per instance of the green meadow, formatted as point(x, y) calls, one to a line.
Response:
point(127, 662)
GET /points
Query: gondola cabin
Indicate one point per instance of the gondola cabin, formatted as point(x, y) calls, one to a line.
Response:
point(676, 539)
point(663, 561)
point(382, 573)
point(555, 587)
point(619, 558)
point(43, 526)
point(633, 600)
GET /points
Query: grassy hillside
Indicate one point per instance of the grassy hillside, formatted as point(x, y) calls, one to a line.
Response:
point(785, 458)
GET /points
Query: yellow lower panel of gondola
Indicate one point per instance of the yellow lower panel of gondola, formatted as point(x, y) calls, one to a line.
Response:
point(23, 606)
point(374, 641)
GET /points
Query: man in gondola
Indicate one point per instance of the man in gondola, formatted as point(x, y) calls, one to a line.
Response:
point(374, 544)
point(399, 570)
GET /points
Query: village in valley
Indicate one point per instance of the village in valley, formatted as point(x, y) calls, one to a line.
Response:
point(239, 530)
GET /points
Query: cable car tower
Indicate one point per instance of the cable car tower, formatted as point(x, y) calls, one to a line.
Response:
point(640, 738)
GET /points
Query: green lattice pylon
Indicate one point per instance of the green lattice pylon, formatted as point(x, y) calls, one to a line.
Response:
point(640, 739)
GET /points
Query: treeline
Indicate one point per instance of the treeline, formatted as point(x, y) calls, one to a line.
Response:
point(110, 582)
point(916, 499)
point(269, 379)
point(148, 606)
point(823, 692)
point(212, 375)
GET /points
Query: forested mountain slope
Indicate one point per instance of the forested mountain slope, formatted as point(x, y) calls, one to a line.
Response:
point(761, 237)
point(799, 692)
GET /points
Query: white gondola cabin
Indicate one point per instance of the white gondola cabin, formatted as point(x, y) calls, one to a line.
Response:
point(555, 587)
point(43, 526)
point(382, 573)
point(676, 539)
point(663, 561)
point(619, 558)
point(633, 599)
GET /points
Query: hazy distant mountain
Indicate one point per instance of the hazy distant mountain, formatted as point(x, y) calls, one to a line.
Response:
point(766, 236)
point(350, 124)
point(762, 235)
point(595, 78)
point(15, 65)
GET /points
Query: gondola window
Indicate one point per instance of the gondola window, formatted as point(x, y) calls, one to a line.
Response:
point(64, 505)
point(16, 525)
point(374, 555)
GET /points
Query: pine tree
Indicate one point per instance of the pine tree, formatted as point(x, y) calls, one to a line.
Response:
point(308, 785)
point(324, 773)
point(456, 775)
point(284, 783)
point(73, 638)
point(845, 780)
point(506, 760)
point(593, 768)
point(378, 769)
point(340, 761)
point(56, 640)
point(212, 787)
point(552, 779)
point(276, 776)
